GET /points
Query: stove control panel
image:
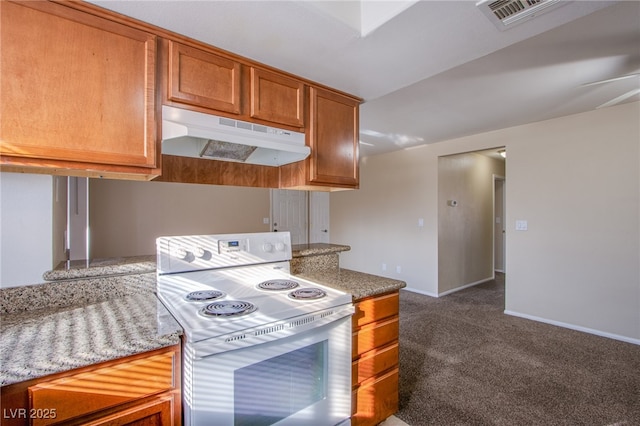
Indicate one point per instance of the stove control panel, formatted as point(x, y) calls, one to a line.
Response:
point(200, 252)
point(230, 246)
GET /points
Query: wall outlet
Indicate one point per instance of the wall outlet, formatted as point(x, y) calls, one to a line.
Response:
point(521, 225)
point(384, 266)
point(398, 269)
point(265, 220)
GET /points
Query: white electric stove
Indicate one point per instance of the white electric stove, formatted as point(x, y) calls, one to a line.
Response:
point(242, 311)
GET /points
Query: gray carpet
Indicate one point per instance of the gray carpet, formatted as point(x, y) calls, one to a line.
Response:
point(464, 362)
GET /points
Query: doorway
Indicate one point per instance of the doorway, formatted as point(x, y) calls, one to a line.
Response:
point(289, 212)
point(305, 214)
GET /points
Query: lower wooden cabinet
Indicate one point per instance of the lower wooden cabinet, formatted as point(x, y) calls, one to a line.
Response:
point(375, 351)
point(137, 390)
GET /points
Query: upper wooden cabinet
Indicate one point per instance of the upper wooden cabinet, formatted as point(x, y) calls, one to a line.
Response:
point(202, 79)
point(277, 98)
point(210, 82)
point(77, 94)
point(332, 135)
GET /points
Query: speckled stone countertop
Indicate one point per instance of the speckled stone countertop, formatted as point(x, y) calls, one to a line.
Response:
point(59, 326)
point(359, 284)
point(301, 250)
point(102, 267)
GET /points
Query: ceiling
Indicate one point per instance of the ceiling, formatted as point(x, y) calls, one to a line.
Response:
point(428, 71)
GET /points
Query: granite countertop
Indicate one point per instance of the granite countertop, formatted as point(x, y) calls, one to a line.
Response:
point(55, 327)
point(359, 284)
point(312, 249)
point(102, 267)
point(109, 310)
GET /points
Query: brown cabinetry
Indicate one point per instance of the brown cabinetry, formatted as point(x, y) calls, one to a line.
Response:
point(277, 98)
point(375, 359)
point(332, 134)
point(77, 93)
point(141, 389)
point(210, 82)
point(202, 79)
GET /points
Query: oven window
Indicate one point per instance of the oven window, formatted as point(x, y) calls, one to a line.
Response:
point(272, 390)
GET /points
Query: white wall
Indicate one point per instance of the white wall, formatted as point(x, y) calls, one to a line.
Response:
point(576, 180)
point(26, 208)
point(126, 217)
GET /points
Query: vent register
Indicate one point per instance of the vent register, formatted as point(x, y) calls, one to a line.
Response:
point(507, 13)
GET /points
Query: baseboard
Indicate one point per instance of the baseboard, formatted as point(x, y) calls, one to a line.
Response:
point(431, 294)
point(444, 293)
point(575, 327)
point(415, 290)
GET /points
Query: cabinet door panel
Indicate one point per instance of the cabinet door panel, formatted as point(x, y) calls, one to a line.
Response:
point(375, 400)
point(376, 308)
point(157, 412)
point(203, 79)
point(86, 393)
point(375, 335)
point(333, 138)
point(75, 87)
point(374, 362)
point(277, 98)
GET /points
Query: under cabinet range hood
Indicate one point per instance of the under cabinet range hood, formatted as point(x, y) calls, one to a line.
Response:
point(193, 134)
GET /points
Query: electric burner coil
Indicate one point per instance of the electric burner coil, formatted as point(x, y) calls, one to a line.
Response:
point(311, 293)
point(228, 308)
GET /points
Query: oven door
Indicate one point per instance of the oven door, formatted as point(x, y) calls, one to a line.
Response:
point(304, 379)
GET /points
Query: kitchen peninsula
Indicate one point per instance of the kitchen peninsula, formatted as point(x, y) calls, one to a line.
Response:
point(105, 318)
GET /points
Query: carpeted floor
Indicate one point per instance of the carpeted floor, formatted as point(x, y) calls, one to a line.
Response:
point(464, 362)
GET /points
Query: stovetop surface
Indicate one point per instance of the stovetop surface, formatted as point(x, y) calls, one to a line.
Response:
point(240, 284)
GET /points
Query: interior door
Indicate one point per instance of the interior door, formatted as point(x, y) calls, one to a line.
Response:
point(318, 217)
point(289, 212)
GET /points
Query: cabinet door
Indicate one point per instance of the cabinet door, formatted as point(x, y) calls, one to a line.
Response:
point(333, 137)
point(84, 393)
point(277, 98)
point(203, 79)
point(157, 412)
point(75, 87)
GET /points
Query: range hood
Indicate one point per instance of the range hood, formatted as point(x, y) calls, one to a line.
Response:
point(193, 134)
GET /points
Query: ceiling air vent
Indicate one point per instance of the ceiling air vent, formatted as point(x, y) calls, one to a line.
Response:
point(507, 13)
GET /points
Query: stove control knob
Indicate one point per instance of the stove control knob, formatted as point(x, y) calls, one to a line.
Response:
point(267, 247)
point(183, 254)
point(280, 246)
point(199, 252)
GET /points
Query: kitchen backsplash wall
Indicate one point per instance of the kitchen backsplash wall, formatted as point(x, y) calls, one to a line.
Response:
point(127, 216)
point(25, 223)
